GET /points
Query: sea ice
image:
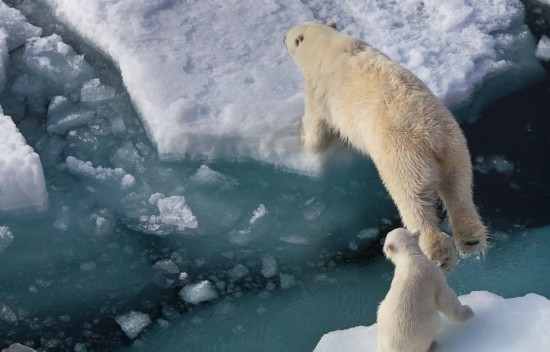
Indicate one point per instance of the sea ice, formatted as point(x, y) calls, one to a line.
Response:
point(198, 292)
point(16, 26)
point(213, 80)
point(167, 265)
point(6, 238)
point(543, 48)
point(94, 91)
point(133, 323)
point(22, 183)
point(17, 347)
point(495, 163)
point(269, 266)
point(504, 325)
point(173, 215)
point(3, 60)
point(102, 174)
point(7, 314)
point(258, 213)
point(238, 272)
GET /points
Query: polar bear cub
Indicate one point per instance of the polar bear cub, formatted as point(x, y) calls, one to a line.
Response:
point(408, 317)
point(380, 108)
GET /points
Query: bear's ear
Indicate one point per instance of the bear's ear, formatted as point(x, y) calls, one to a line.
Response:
point(331, 24)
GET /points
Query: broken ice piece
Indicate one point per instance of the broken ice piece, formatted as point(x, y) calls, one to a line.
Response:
point(198, 292)
point(133, 323)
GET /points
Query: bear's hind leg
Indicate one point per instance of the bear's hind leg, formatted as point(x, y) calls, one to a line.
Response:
point(413, 188)
point(469, 233)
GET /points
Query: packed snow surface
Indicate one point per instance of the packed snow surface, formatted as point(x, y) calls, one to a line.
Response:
point(506, 325)
point(22, 183)
point(213, 79)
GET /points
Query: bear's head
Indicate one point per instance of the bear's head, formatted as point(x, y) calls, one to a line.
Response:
point(401, 242)
point(307, 39)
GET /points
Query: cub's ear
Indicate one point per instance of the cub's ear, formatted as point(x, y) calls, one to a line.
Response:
point(331, 24)
point(415, 233)
point(390, 248)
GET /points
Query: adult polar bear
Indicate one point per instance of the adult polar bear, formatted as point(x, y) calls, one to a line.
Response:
point(386, 112)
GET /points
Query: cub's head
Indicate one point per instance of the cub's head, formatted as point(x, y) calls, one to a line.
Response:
point(306, 38)
point(401, 242)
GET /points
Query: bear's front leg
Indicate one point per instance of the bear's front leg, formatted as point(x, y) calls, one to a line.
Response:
point(314, 132)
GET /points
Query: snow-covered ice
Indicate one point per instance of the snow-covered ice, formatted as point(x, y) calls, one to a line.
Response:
point(505, 325)
point(22, 183)
point(133, 323)
point(6, 238)
point(213, 80)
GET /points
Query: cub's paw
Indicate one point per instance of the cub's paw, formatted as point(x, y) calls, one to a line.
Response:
point(440, 249)
point(466, 314)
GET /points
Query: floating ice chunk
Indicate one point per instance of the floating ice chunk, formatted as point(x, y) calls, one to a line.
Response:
point(3, 60)
point(238, 272)
point(6, 238)
point(80, 347)
point(269, 266)
point(240, 237)
point(258, 213)
point(17, 347)
point(16, 27)
point(133, 323)
point(174, 211)
point(22, 183)
point(295, 239)
point(7, 314)
point(173, 215)
point(102, 174)
point(198, 292)
point(512, 325)
point(88, 266)
point(368, 234)
point(495, 163)
point(49, 58)
point(155, 197)
point(543, 48)
point(206, 176)
point(73, 118)
point(93, 91)
point(287, 281)
point(167, 265)
point(63, 220)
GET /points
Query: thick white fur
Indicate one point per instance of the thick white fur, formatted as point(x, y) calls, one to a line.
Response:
point(384, 111)
point(408, 317)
